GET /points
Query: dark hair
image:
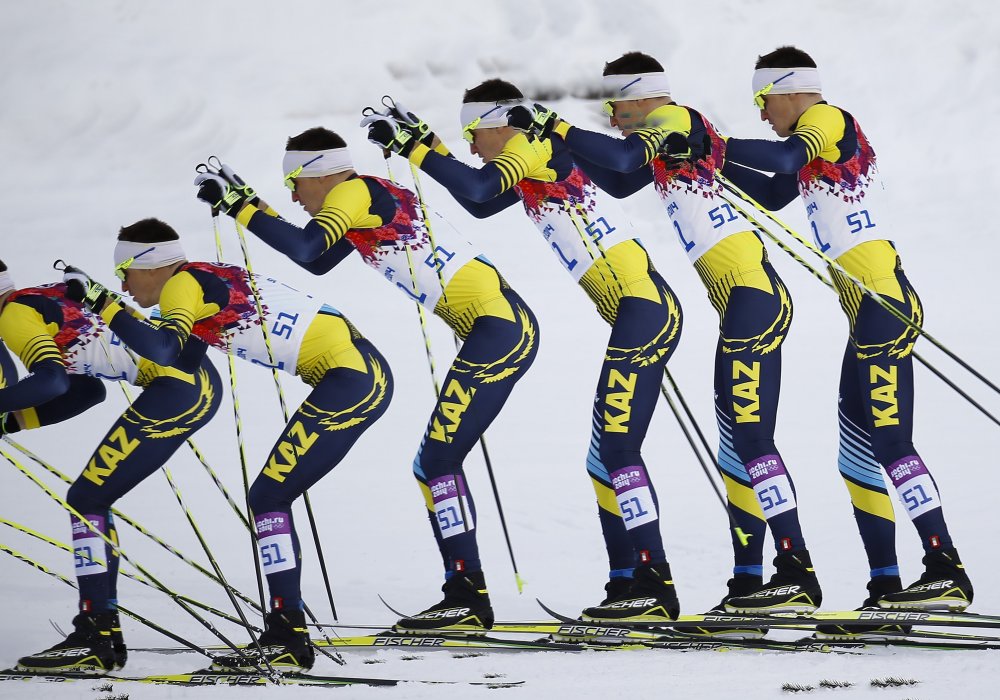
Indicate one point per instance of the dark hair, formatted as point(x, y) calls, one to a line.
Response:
point(147, 231)
point(633, 62)
point(492, 90)
point(315, 139)
point(3, 266)
point(785, 57)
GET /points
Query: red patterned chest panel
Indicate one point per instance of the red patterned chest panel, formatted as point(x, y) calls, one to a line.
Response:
point(77, 324)
point(404, 225)
point(840, 177)
point(576, 190)
point(239, 314)
point(674, 175)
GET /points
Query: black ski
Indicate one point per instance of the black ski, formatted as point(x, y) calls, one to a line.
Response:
point(236, 678)
point(865, 618)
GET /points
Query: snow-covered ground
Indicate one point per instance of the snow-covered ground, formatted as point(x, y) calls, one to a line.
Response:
point(106, 108)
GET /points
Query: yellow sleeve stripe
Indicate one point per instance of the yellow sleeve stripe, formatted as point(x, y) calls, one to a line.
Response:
point(111, 310)
point(512, 169)
point(651, 139)
point(181, 326)
point(442, 149)
point(29, 418)
point(813, 138)
point(335, 223)
point(40, 350)
point(821, 127)
point(182, 301)
point(183, 314)
point(346, 206)
point(418, 154)
point(329, 232)
point(335, 218)
point(27, 335)
point(562, 128)
point(246, 213)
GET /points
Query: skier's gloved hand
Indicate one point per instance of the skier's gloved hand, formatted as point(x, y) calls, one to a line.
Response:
point(237, 182)
point(539, 121)
point(406, 119)
point(675, 146)
point(217, 191)
point(386, 133)
point(679, 147)
point(79, 287)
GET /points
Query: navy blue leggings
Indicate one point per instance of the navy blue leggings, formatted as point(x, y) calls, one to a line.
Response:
point(643, 337)
point(147, 434)
point(876, 430)
point(747, 387)
point(495, 355)
point(340, 408)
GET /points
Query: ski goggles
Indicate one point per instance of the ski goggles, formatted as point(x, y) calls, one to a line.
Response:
point(758, 97)
point(124, 265)
point(290, 177)
point(468, 131)
point(494, 116)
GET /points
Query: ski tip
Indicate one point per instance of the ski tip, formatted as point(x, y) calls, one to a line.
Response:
point(392, 609)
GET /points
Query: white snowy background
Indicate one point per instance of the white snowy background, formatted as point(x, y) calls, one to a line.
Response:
point(105, 108)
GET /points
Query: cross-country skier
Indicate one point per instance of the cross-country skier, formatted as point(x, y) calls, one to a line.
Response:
point(204, 304)
point(677, 150)
point(430, 263)
point(827, 160)
point(600, 250)
point(68, 351)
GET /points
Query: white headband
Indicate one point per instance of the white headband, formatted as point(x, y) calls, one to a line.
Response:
point(490, 114)
point(636, 86)
point(149, 256)
point(6, 283)
point(787, 80)
point(317, 163)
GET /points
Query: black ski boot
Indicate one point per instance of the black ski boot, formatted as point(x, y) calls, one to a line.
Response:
point(87, 649)
point(794, 588)
point(465, 607)
point(944, 585)
point(877, 587)
point(651, 597)
point(284, 643)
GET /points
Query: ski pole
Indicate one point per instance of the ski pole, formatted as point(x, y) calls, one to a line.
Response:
point(819, 275)
point(255, 293)
point(741, 536)
point(135, 577)
point(129, 521)
point(482, 438)
point(138, 618)
point(208, 552)
point(197, 531)
point(875, 296)
point(118, 550)
point(241, 448)
point(284, 412)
